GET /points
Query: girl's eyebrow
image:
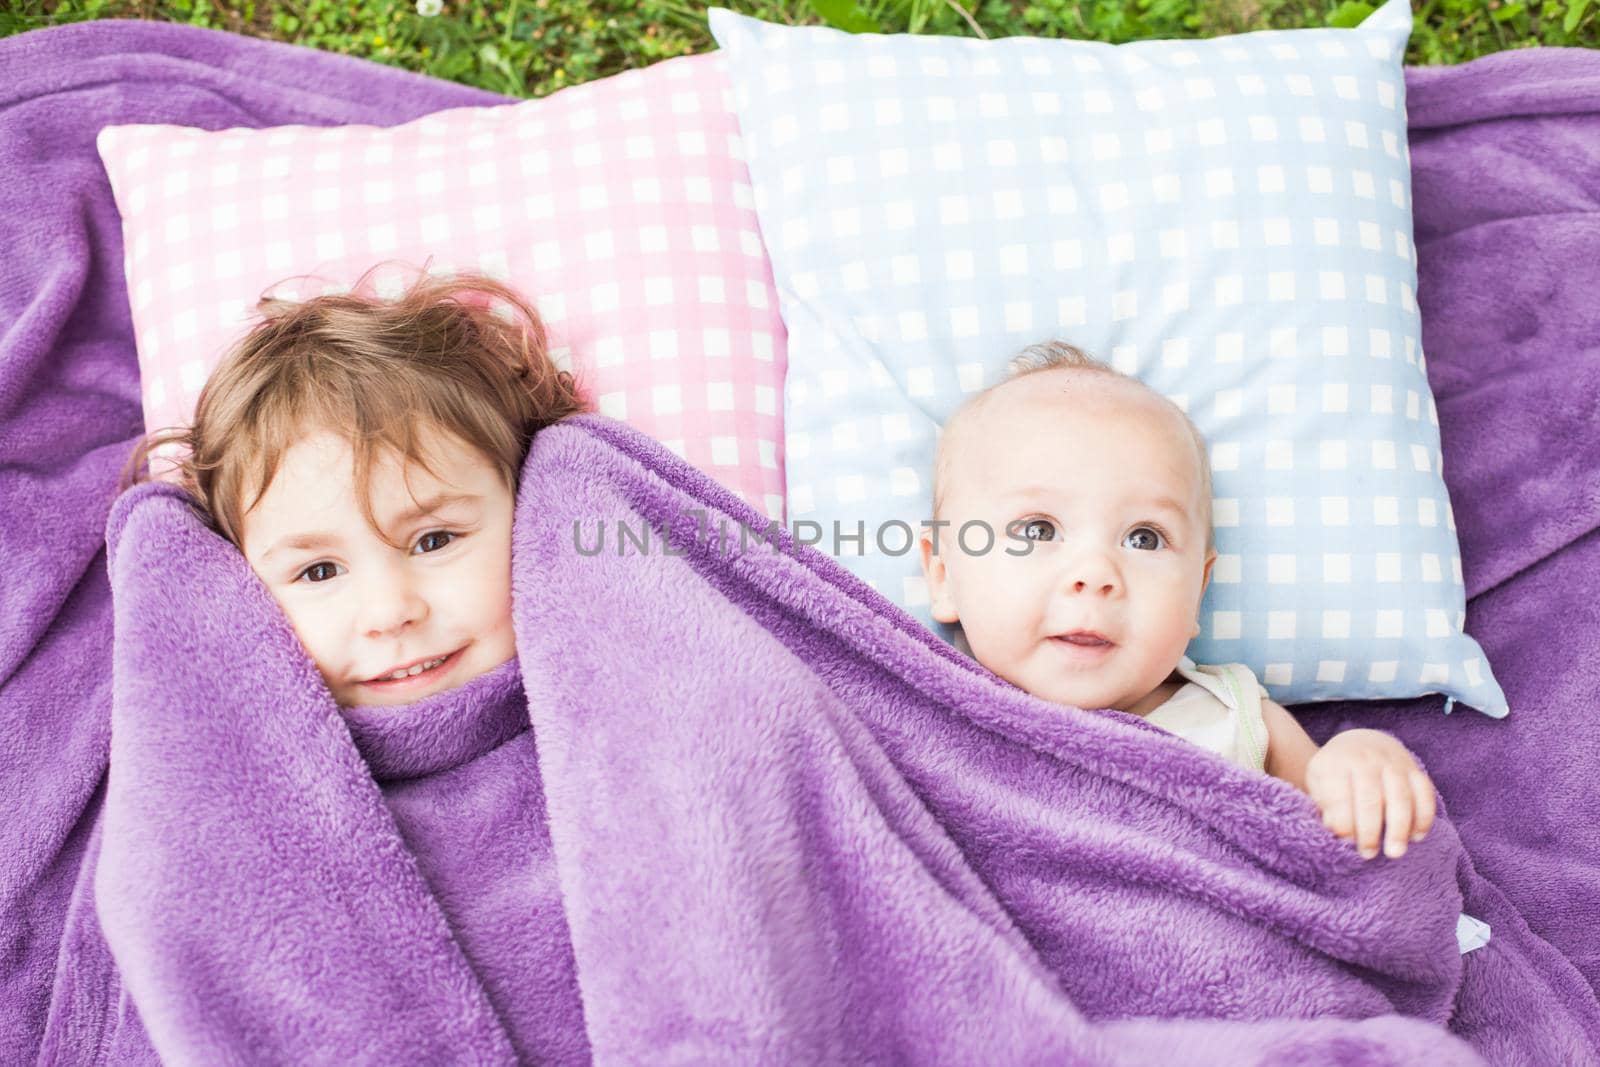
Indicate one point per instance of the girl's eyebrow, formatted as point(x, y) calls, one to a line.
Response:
point(302, 541)
point(325, 538)
point(433, 504)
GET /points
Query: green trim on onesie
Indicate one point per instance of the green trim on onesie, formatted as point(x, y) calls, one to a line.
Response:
point(1251, 726)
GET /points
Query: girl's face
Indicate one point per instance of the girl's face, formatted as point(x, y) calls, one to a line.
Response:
point(1105, 484)
point(363, 609)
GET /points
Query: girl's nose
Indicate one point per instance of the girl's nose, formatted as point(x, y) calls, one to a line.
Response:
point(389, 603)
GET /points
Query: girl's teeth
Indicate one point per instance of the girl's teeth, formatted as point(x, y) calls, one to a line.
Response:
point(418, 669)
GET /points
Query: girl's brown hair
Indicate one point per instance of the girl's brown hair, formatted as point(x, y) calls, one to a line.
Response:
point(465, 355)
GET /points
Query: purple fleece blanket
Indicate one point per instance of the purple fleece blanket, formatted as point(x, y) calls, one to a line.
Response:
point(759, 817)
point(765, 819)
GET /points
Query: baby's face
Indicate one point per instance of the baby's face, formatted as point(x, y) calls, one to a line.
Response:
point(362, 608)
point(1081, 466)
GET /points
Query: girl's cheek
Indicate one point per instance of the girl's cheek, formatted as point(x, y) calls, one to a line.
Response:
point(313, 625)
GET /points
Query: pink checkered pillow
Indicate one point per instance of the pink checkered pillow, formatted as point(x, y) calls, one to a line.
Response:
point(622, 208)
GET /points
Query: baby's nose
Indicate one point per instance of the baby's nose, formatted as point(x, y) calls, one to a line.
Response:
point(1091, 573)
point(1091, 586)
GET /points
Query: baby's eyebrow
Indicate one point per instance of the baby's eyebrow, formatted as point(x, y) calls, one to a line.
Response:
point(1159, 503)
point(324, 538)
point(1167, 503)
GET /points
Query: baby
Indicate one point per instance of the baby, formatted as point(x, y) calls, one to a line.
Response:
point(1098, 493)
point(363, 455)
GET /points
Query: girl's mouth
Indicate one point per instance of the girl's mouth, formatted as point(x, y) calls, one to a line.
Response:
point(436, 670)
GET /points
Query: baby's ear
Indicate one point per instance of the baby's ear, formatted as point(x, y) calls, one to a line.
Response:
point(937, 577)
point(1205, 583)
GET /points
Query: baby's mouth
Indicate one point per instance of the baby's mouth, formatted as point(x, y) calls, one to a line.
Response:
point(1083, 646)
point(1085, 639)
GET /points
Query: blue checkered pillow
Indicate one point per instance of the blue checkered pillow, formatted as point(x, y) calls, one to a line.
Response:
point(1228, 219)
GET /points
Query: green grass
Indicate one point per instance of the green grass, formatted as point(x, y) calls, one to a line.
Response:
point(529, 48)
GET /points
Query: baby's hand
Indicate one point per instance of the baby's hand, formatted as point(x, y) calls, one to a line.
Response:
point(1365, 782)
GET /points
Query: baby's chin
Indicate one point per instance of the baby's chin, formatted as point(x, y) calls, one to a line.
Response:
point(1055, 691)
point(1078, 693)
point(1086, 701)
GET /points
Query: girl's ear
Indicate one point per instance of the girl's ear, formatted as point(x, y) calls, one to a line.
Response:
point(937, 576)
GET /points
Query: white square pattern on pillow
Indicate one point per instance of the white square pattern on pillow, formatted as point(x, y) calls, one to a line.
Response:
point(1227, 219)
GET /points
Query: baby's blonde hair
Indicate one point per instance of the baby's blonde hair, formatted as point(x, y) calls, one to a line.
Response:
point(463, 355)
point(1056, 356)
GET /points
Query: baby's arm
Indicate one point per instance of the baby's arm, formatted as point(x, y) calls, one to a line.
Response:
point(1365, 783)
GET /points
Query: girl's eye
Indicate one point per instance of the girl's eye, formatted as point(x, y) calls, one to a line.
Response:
point(433, 534)
point(433, 541)
point(1160, 537)
point(1039, 530)
point(310, 572)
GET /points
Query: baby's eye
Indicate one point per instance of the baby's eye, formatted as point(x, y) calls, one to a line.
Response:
point(1152, 531)
point(1039, 530)
point(425, 538)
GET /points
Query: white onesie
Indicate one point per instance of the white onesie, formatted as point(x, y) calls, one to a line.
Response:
point(1219, 710)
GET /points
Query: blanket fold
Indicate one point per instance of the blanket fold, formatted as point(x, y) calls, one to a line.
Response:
point(252, 885)
point(896, 822)
point(759, 815)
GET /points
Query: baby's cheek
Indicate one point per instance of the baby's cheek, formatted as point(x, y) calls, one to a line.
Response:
point(998, 604)
point(992, 641)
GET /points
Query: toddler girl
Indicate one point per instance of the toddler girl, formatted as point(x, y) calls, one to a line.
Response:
point(363, 455)
point(1097, 491)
